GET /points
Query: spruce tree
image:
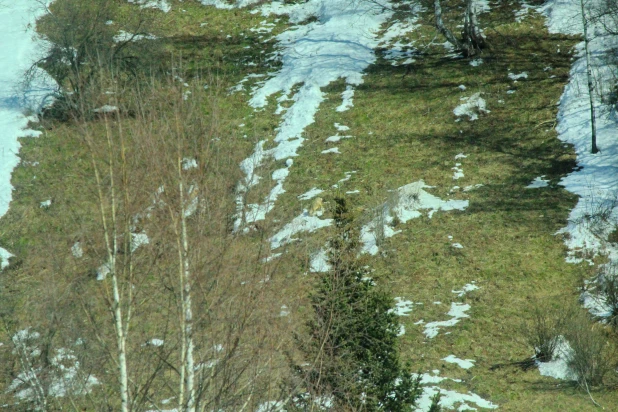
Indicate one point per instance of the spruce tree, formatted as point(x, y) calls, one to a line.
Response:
point(352, 358)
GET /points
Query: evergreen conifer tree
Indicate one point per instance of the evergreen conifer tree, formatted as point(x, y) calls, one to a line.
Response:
point(351, 353)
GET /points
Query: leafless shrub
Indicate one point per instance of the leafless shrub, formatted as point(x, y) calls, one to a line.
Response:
point(381, 214)
point(543, 331)
point(86, 41)
point(600, 218)
point(606, 293)
point(589, 358)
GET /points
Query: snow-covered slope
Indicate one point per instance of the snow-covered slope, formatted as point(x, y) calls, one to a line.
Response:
point(18, 49)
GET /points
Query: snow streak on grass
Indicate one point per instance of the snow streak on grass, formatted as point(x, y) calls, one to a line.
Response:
point(594, 217)
point(339, 44)
point(596, 182)
point(411, 199)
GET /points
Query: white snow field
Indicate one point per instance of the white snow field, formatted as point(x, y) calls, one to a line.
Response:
point(18, 49)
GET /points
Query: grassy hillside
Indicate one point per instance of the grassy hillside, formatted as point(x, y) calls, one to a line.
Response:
point(403, 130)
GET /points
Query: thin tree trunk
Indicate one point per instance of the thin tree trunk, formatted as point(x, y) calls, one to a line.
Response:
point(188, 366)
point(593, 121)
point(450, 37)
point(472, 37)
point(112, 248)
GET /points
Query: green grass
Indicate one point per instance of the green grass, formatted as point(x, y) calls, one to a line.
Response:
point(404, 130)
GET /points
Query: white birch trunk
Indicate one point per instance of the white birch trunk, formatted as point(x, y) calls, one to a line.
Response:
point(593, 120)
point(112, 248)
point(188, 366)
point(450, 37)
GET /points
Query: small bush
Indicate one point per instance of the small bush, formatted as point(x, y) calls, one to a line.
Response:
point(83, 47)
point(588, 359)
point(608, 293)
point(380, 219)
point(543, 331)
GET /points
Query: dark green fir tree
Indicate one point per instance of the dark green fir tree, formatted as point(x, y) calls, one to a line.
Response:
point(351, 354)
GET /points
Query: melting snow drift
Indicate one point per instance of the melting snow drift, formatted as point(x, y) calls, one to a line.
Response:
point(18, 50)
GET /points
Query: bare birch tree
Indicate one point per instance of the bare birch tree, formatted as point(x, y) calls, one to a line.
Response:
point(472, 40)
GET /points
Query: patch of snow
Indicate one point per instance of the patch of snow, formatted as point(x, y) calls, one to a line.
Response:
point(310, 194)
point(77, 250)
point(449, 399)
point(400, 52)
point(472, 107)
point(522, 75)
point(331, 150)
point(301, 223)
point(482, 6)
point(465, 289)
point(189, 163)
point(270, 405)
point(346, 98)
point(264, 27)
point(103, 270)
point(462, 363)
point(155, 342)
point(472, 187)
point(45, 204)
point(285, 311)
point(458, 172)
point(5, 255)
point(457, 312)
point(457, 245)
point(62, 375)
point(538, 182)
point(124, 36)
point(241, 84)
point(460, 156)
point(162, 5)
point(228, 5)
point(319, 261)
point(341, 127)
point(462, 87)
point(476, 62)
point(402, 307)
point(138, 239)
point(347, 177)
point(336, 138)
point(106, 108)
point(558, 367)
point(411, 200)
point(523, 12)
